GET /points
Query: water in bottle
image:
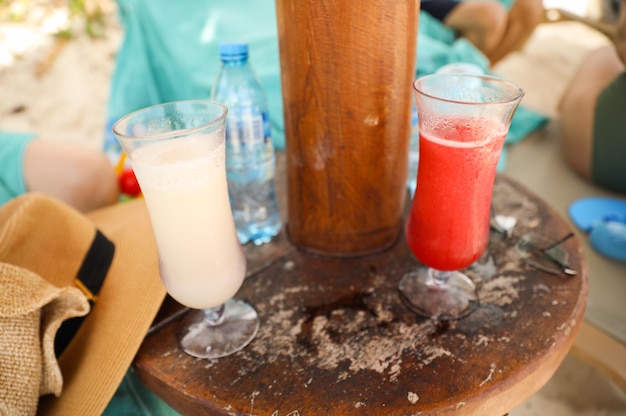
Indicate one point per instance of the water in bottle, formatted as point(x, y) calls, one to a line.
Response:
point(250, 157)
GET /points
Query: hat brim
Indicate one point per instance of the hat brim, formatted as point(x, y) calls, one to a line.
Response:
point(96, 360)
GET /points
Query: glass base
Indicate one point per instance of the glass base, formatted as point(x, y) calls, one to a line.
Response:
point(234, 330)
point(451, 295)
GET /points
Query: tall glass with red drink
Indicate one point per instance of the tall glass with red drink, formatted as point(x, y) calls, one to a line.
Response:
point(463, 122)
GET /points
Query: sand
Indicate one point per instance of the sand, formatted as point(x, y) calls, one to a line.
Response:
point(54, 88)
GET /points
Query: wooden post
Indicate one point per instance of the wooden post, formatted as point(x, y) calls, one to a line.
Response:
point(347, 67)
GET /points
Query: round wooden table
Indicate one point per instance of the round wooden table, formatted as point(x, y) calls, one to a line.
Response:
point(336, 338)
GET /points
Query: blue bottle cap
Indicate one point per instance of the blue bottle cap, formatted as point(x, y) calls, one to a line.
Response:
point(233, 51)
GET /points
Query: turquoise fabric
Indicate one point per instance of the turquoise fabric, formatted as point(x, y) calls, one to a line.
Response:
point(170, 52)
point(438, 46)
point(12, 149)
point(134, 399)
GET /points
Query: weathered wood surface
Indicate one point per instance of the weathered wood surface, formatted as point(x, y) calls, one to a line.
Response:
point(336, 338)
point(346, 72)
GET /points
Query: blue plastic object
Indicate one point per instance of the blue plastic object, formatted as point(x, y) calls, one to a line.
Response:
point(604, 219)
point(609, 239)
point(586, 211)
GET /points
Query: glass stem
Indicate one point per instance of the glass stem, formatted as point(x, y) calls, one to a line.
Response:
point(214, 315)
point(438, 277)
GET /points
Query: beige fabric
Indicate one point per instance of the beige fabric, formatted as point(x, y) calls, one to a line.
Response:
point(31, 311)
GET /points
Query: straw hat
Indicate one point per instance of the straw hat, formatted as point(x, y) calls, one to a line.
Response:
point(110, 254)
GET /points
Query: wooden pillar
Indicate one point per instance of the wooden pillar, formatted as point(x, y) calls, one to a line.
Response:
point(347, 67)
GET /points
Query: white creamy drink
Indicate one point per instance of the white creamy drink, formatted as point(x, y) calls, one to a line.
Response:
point(184, 183)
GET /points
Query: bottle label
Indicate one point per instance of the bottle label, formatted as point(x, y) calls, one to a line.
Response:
point(247, 130)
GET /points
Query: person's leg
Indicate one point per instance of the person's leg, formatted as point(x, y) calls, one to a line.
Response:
point(523, 17)
point(82, 178)
point(482, 22)
point(578, 104)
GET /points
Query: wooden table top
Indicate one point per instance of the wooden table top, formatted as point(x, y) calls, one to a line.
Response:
point(336, 338)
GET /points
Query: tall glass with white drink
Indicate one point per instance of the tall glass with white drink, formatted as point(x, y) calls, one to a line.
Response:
point(178, 154)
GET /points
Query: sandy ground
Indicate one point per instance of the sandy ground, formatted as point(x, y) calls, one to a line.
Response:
point(60, 90)
point(56, 89)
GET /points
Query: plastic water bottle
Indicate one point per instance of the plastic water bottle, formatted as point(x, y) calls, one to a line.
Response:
point(414, 153)
point(250, 157)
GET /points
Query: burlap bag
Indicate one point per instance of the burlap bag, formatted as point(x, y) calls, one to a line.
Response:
point(31, 312)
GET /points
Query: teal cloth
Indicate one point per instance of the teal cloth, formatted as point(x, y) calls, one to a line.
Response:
point(132, 398)
point(12, 149)
point(170, 52)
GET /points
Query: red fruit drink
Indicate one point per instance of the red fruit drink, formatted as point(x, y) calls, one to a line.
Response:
point(448, 225)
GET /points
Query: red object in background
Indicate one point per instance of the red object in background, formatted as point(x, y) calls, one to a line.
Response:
point(128, 182)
